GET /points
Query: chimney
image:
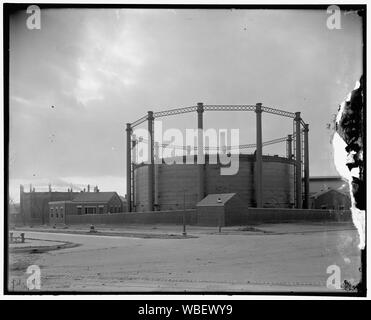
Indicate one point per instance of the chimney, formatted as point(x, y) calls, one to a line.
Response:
point(50, 187)
point(88, 187)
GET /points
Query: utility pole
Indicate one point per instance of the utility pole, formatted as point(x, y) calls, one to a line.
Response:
point(184, 215)
point(220, 217)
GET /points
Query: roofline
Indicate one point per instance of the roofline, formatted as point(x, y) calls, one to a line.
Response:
point(60, 201)
point(74, 201)
point(320, 193)
point(326, 178)
point(100, 192)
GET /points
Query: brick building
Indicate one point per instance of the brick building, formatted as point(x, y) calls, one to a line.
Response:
point(331, 199)
point(85, 203)
point(322, 183)
point(223, 209)
point(34, 208)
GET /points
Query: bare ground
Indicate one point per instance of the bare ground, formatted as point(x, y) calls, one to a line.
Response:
point(268, 258)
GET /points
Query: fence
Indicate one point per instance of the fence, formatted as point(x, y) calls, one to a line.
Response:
point(250, 216)
point(164, 217)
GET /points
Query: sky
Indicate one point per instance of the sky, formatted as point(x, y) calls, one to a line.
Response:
point(77, 81)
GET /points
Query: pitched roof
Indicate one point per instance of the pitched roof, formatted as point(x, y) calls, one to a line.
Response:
point(320, 193)
point(212, 199)
point(94, 196)
point(320, 178)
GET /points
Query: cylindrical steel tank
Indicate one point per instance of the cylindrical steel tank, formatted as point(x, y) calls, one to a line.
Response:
point(177, 183)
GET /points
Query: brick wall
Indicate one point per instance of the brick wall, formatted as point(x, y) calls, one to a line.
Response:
point(34, 207)
point(265, 215)
point(211, 218)
point(163, 217)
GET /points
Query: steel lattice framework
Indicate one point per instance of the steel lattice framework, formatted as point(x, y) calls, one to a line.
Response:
point(172, 112)
point(238, 107)
point(279, 112)
point(214, 107)
point(296, 146)
point(138, 122)
point(239, 147)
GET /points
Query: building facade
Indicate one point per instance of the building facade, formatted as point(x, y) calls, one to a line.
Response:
point(322, 183)
point(34, 208)
point(331, 199)
point(85, 203)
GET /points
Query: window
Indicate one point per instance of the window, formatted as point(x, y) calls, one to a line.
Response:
point(61, 215)
point(111, 209)
point(90, 210)
point(56, 212)
point(56, 215)
point(51, 215)
point(101, 209)
point(79, 210)
point(51, 212)
point(324, 207)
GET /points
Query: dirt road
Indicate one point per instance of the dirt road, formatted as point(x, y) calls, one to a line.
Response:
point(284, 258)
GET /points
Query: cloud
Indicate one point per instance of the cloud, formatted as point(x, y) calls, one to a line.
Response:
point(77, 81)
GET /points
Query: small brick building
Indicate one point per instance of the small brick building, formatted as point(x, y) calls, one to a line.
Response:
point(85, 203)
point(331, 199)
point(221, 209)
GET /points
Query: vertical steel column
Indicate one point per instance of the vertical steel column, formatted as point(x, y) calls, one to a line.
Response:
point(200, 152)
point(259, 157)
point(156, 156)
point(289, 146)
point(134, 160)
point(150, 119)
point(299, 199)
point(128, 166)
point(188, 150)
point(306, 167)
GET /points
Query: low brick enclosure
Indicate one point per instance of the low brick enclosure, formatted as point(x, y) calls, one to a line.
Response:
point(277, 215)
point(159, 217)
point(250, 216)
